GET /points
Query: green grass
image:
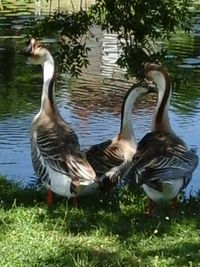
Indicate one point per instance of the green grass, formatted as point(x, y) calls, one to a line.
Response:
point(111, 231)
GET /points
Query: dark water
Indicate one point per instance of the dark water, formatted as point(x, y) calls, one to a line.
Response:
point(91, 103)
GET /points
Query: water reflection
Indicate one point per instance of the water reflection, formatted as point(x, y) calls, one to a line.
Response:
point(91, 103)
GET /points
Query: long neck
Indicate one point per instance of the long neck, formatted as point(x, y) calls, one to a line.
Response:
point(161, 118)
point(126, 128)
point(48, 102)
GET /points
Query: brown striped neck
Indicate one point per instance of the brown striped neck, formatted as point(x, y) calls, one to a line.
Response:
point(161, 118)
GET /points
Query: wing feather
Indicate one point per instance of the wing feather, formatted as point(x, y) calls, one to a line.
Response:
point(163, 156)
point(59, 149)
point(105, 156)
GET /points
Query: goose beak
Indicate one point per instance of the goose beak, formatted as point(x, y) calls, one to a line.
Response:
point(26, 51)
point(152, 87)
point(149, 85)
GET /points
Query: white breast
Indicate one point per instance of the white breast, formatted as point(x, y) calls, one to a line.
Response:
point(59, 183)
point(170, 190)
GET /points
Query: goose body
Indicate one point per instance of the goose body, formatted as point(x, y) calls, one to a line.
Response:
point(163, 163)
point(112, 157)
point(55, 149)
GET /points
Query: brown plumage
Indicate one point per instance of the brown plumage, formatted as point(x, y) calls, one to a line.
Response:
point(57, 160)
point(112, 157)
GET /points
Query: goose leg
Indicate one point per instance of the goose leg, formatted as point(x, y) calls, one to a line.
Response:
point(74, 202)
point(49, 198)
point(174, 204)
point(150, 207)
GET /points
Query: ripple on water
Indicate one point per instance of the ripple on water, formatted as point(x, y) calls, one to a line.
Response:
point(92, 103)
point(15, 149)
point(190, 63)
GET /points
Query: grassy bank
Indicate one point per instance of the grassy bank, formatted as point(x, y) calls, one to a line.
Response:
point(112, 231)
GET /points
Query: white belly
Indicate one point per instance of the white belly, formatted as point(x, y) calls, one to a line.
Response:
point(170, 190)
point(61, 184)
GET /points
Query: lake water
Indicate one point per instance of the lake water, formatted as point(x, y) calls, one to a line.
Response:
point(92, 102)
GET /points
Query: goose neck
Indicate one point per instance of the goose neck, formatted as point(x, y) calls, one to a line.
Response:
point(161, 116)
point(126, 128)
point(48, 71)
point(48, 102)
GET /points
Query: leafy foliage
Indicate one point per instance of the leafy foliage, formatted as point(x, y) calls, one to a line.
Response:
point(73, 30)
point(138, 23)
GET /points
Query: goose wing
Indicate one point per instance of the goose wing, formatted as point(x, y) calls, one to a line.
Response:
point(163, 156)
point(105, 156)
point(59, 149)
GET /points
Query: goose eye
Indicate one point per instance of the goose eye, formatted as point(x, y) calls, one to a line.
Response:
point(38, 45)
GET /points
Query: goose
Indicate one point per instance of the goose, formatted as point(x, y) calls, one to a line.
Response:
point(110, 159)
point(163, 163)
point(55, 150)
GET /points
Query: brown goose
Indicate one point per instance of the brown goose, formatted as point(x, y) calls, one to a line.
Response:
point(163, 163)
point(111, 158)
point(55, 149)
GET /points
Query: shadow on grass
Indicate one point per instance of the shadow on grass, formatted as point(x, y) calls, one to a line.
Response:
point(84, 254)
point(117, 219)
point(121, 213)
point(75, 256)
point(182, 254)
point(11, 192)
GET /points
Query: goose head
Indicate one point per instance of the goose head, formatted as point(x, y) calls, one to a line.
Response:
point(35, 51)
point(136, 91)
point(156, 73)
point(159, 75)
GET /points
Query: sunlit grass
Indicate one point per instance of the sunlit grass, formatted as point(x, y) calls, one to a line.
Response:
point(111, 231)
